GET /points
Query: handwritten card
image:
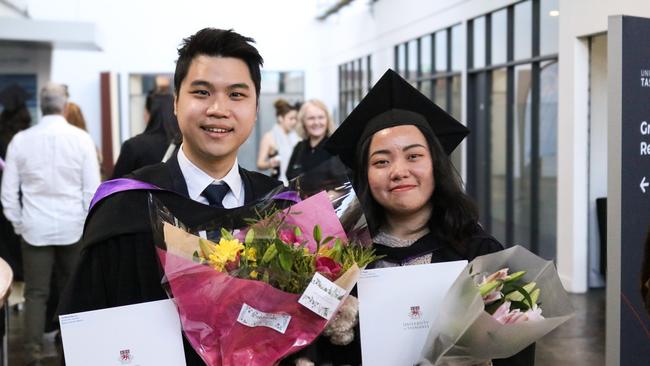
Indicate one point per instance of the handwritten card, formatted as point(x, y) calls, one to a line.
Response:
point(251, 317)
point(322, 296)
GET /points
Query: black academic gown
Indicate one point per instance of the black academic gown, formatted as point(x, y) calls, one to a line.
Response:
point(118, 264)
point(479, 244)
point(140, 151)
point(304, 157)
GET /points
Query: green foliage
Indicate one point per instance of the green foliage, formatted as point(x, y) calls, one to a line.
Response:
point(286, 266)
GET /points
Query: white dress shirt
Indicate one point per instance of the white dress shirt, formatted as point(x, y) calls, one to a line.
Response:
point(53, 165)
point(197, 180)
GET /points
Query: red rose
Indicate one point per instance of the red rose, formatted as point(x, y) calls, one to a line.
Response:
point(328, 267)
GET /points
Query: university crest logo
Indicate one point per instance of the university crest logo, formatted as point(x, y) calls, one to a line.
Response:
point(415, 312)
point(125, 357)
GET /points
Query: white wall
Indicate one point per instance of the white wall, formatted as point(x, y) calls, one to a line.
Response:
point(14, 9)
point(141, 36)
point(597, 151)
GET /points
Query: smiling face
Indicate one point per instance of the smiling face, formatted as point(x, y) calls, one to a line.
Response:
point(315, 122)
point(400, 170)
point(216, 109)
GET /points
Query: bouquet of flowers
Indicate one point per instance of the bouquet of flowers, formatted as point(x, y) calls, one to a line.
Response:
point(508, 299)
point(261, 282)
point(484, 317)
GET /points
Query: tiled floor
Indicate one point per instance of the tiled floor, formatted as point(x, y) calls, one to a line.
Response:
point(580, 341)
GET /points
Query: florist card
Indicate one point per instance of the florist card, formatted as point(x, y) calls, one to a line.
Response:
point(397, 307)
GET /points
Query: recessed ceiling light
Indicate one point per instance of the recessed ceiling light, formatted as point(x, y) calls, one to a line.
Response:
point(554, 13)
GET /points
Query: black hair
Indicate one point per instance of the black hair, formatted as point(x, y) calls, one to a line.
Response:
point(454, 217)
point(222, 43)
point(162, 119)
point(11, 122)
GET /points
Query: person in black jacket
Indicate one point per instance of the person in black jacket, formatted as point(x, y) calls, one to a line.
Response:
point(217, 84)
point(315, 126)
point(397, 142)
point(14, 118)
point(151, 146)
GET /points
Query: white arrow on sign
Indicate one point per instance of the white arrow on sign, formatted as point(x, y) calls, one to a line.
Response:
point(644, 184)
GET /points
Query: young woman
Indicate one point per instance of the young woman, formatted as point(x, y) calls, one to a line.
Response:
point(397, 144)
point(315, 127)
point(277, 144)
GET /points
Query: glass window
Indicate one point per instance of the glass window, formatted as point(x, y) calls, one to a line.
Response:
point(499, 37)
point(457, 48)
point(441, 93)
point(498, 160)
point(456, 102)
point(293, 82)
point(479, 42)
point(441, 51)
point(523, 30)
point(401, 59)
point(549, 22)
point(522, 156)
point(364, 76)
point(548, 159)
point(425, 88)
point(425, 56)
point(413, 59)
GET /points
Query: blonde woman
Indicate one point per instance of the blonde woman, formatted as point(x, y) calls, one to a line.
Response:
point(315, 126)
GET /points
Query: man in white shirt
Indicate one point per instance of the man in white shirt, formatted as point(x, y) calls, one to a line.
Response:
point(50, 176)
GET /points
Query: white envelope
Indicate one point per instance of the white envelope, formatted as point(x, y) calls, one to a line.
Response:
point(396, 308)
point(146, 334)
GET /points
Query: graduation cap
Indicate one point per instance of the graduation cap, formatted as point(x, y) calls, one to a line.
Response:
point(393, 102)
point(13, 96)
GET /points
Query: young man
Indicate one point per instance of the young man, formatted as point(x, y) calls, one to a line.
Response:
point(217, 84)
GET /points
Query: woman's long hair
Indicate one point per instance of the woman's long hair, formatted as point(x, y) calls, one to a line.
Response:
point(11, 122)
point(74, 116)
point(454, 217)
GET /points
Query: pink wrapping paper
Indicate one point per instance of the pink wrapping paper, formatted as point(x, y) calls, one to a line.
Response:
point(209, 303)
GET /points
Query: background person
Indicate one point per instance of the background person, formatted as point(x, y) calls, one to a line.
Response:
point(277, 144)
point(50, 176)
point(315, 126)
point(151, 146)
point(14, 118)
point(74, 116)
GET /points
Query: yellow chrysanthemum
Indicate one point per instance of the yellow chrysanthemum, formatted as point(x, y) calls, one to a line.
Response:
point(253, 275)
point(224, 252)
point(250, 254)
